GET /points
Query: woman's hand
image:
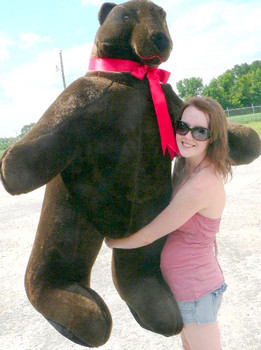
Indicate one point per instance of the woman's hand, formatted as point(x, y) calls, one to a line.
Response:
point(136, 240)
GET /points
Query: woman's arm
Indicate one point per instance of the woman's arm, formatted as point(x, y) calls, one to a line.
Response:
point(192, 198)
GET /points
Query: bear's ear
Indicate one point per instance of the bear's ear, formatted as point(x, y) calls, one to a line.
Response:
point(105, 10)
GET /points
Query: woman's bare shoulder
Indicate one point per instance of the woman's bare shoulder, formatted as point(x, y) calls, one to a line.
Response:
point(211, 189)
point(208, 183)
point(207, 176)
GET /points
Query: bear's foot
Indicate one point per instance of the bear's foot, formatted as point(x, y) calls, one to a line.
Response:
point(136, 316)
point(63, 331)
point(160, 325)
point(153, 306)
point(76, 312)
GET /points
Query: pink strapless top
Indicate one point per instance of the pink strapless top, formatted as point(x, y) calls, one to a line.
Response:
point(189, 259)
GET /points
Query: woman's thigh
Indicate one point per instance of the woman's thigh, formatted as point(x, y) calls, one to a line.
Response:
point(201, 337)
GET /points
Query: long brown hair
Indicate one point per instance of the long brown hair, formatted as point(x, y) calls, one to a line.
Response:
point(217, 151)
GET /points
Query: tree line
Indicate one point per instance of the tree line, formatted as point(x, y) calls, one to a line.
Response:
point(237, 87)
point(5, 142)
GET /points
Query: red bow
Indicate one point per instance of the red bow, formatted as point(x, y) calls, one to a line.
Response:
point(155, 77)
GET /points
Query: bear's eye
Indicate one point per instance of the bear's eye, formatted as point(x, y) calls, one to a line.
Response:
point(126, 17)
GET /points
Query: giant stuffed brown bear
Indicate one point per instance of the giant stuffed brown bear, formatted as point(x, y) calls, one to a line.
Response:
point(98, 147)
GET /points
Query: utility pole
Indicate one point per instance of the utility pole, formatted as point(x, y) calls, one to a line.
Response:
point(62, 69)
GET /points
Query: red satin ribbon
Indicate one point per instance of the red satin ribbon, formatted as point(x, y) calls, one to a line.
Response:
point(155, 77)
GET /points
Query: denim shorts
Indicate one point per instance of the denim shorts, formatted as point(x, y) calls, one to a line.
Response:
point(204, 310)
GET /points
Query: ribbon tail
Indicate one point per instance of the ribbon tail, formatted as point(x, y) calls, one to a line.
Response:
point(174, 150)
point(168, 140)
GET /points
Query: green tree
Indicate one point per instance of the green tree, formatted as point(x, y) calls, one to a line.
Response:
point(241, 91)
point(25, 129)
point(5, 142)
point(216, 91)
point(255, 87)
point(239, 70)
point(188, 88)
point(237, 87)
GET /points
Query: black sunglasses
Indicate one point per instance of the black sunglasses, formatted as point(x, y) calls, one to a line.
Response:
point(198, 133)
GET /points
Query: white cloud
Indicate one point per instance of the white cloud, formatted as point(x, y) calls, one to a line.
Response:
point(28, 91)
point(31, 88)
point(29, 39)
point(76, 60)
point(213, 37)
point(4, 43)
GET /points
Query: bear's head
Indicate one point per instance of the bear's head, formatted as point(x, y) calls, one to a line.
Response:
point(135, 30)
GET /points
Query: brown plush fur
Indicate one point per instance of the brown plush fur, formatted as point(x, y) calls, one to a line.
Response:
point(99, 150)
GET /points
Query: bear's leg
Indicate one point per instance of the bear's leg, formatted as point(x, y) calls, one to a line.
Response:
point(139, 282)
point(57, 279)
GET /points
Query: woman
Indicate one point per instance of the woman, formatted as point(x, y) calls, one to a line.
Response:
point(191, 220)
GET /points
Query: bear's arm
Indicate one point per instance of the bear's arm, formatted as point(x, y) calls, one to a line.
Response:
point(244, 142)
point(56, 139)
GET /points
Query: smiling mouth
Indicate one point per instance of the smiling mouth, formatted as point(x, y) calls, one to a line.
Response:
point(151, 61)
point(187, 145)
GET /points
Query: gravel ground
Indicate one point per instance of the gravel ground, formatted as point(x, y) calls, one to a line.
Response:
point(239, 241)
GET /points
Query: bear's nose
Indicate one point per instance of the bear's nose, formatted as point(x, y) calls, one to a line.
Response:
point(160, 40)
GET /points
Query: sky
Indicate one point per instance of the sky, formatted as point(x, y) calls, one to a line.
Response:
point(209, 37)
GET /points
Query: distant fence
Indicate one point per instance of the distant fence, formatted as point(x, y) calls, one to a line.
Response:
point(243, 111)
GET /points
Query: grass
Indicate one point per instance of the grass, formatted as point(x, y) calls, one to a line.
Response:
point(252, 120)
point(246, 118)
point(256, 126)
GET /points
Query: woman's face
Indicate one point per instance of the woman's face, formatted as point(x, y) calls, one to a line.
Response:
point(188, 146)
